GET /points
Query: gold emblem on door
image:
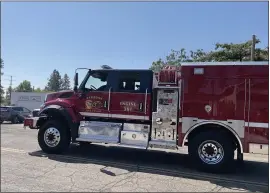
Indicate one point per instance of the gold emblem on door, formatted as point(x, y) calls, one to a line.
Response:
point(88, 104)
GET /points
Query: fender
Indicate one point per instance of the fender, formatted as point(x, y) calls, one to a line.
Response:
point(73, 124)
point(217, 123)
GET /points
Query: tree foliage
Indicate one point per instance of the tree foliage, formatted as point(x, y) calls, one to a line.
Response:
point(24, 86)
point(1, 87)
point(8, 96)
point(54, 82)
point(65, 83)
point(222, 52)
point(38, 90)
point(1, 65)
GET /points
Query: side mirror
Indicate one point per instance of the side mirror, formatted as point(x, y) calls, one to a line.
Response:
point(76, 81)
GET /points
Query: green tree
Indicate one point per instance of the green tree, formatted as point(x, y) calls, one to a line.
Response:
point(7, 96)
point(24, 86)
point(1, 73)
point(65, 83)
point(222, 52)
point(54, 82)
point(37, 90)
point(1, 65)
point(237, 52)
point(175, 58)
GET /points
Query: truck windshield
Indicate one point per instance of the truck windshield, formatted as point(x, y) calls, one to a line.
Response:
point(94, 81)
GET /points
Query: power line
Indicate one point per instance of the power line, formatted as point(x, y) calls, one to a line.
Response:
point(8, 80)
point(7, 75)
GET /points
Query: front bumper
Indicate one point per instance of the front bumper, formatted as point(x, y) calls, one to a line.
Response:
point(31, 122)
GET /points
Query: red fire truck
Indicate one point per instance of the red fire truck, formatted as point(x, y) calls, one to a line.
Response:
point(215, 108)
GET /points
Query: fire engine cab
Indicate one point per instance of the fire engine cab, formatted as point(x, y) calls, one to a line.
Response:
point(213, 108)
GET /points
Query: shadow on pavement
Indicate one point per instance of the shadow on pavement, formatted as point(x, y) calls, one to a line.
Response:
point(249, 171)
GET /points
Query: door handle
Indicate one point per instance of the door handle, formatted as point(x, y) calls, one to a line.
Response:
point(141, 106)
point(109, 99)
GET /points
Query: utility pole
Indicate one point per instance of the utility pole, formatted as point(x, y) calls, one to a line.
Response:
point(252, 57)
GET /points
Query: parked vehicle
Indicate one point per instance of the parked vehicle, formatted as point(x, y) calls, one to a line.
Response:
point(35, 112)
point(15, 114)
point(214, 108)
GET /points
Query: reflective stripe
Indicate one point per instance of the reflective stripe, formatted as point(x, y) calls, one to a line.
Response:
point(257, 124)
point(107, 115)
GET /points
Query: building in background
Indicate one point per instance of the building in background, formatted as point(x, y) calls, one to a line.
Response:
point(29, 100)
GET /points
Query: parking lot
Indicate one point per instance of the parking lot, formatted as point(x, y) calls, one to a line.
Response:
point(109, 169)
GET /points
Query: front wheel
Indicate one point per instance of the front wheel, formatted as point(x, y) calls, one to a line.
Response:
point(54, 137)
point(15, 120)
point(212, 152)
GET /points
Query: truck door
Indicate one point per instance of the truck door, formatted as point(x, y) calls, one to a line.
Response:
point(94, 94)
point(131, 95)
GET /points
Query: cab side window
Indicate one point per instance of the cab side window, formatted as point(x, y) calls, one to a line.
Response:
point(97, 81)
point(129, 85)
point(25, 110)
point(132, 81)
point(20, 109)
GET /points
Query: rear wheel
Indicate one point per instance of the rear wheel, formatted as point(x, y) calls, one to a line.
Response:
point(212, 152)
point(54, 137)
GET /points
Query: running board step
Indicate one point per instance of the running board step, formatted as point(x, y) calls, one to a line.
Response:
point(115, 142)
point(133, 146)
point(162, 144)
point(95, 140)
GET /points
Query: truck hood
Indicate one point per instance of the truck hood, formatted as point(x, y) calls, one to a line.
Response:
point(60, 94)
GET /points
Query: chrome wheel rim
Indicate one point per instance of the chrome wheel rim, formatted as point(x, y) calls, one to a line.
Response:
point(52, 137)
point(211, 152)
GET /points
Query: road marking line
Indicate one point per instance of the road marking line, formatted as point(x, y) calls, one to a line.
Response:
point(12, 150)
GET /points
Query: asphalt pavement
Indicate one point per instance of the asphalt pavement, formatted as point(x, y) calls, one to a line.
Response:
point(105, 168)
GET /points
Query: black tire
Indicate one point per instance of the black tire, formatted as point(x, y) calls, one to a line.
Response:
point(1, 121)
point(225, 164)
point(15, 120)
point(64, 141)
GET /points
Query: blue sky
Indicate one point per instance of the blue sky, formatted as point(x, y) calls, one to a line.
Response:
point(38, 37)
